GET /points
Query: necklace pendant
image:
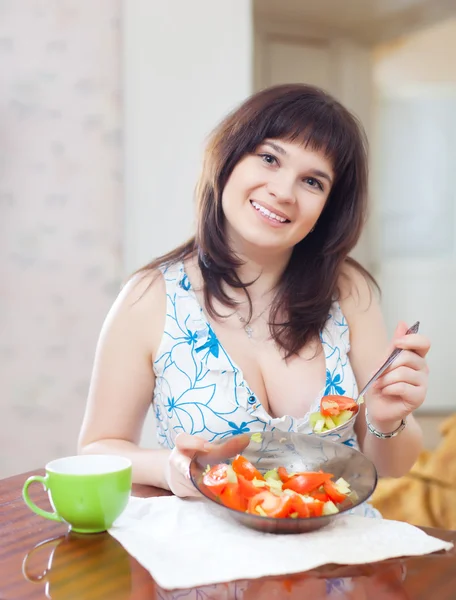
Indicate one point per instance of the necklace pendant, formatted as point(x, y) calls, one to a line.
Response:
point(248, 330)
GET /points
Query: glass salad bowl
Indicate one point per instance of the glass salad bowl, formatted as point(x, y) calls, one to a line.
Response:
point(323, 478)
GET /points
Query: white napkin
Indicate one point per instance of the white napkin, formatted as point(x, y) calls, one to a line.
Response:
point(191, 543)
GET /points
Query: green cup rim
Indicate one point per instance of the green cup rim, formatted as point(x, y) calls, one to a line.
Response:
point(124, 464)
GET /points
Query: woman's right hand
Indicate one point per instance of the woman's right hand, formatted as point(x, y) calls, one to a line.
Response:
point(177, 473)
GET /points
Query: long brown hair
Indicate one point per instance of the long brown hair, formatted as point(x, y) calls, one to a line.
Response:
point(309, 284)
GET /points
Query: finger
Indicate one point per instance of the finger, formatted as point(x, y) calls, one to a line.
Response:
point(399, 333)
point(189, 444)
point(412, 395)
point(407, 358)
point(228, 448)
point(415, 342)
point(190, 491)
point(185, 489)
point(401, 330)
point(401, 374)
point(185, 484)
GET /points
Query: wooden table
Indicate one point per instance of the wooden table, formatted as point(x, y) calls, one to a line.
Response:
point(96, 567)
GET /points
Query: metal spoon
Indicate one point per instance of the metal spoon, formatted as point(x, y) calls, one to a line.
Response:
point(391, 358)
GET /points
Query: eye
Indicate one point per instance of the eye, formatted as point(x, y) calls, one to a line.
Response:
point(315, 183)
point(269, 159)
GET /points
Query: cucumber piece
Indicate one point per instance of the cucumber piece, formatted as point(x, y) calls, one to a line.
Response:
point(353, 496)
point(329, 508)
point(342, 486)
point(274, 485)
point(344, 416)
point(329, 423)
point(232, 477)
point(259, 483)
point(319, 426)
point(314, 417)
point(272, 474)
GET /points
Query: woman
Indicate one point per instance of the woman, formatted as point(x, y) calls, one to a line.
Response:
point(248, 324)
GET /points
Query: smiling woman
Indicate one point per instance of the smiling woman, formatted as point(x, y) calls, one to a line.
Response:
point(283, 172)
point(248, 324)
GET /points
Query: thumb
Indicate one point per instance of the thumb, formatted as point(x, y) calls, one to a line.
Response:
point(189, 444)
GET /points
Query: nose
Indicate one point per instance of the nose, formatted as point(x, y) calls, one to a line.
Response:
point(281, 187)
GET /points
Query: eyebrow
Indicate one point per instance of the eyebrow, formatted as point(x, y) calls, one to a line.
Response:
point(283, 152)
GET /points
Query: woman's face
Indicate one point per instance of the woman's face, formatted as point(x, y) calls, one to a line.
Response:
point(275, 195)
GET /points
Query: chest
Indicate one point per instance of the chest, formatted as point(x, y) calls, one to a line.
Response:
point(284, 387)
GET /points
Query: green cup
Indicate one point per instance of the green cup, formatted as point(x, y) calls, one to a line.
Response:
point(87, 492)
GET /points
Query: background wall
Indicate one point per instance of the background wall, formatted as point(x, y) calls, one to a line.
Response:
point(426, 56)
point(89, 89)
point(414, 191)
point(60, 215)
point(186, 65)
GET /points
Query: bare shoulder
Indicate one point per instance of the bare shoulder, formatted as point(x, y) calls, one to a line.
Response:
point(144, 289)
point(360, 304)
point(357, 291)
point(140, 308)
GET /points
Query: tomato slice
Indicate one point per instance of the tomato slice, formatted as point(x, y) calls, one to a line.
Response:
point(333, 405)
point(216, 478)
point(329, 408)
point(346, 403)
point(297, 505)
point(315, 508)
point(273, 506)
point(244, 467)
point(303, 483)
point(333, 493)
point(246, 487)
point(320, 495)
point(232, 497)
point(283, 474)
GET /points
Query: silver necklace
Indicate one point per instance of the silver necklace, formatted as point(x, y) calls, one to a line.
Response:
point(247, 325)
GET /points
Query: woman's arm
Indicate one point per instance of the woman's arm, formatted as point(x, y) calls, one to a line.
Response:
point(122, 387)
point(398, 392)
point(122, 384)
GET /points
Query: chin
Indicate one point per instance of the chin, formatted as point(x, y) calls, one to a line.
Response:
point(265, 243)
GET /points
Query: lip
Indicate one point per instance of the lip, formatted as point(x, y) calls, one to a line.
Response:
point(271, 209)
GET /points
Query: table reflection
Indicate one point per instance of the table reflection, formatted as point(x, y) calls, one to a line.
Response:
point(386, 582)
point(71, 566)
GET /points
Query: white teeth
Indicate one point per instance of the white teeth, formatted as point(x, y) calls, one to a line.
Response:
point(267, 213)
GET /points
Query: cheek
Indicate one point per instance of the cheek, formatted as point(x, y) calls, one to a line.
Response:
point(311, 211)
point(245, 178)
point(236, 193)
point(228, 205)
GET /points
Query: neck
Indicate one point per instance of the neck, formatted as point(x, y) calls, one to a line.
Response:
point(263, 268)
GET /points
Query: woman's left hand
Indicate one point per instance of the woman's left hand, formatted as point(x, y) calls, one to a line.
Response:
point(402, 388)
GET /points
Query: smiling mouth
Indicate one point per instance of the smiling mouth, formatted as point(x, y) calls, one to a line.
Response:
point(267, 213)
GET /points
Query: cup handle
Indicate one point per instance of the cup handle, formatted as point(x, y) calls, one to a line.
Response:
point(36, 509)
point(40, 546)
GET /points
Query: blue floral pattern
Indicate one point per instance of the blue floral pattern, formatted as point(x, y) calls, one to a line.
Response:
point(201, 391)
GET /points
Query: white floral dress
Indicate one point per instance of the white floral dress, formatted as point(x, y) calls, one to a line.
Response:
point(201, 391)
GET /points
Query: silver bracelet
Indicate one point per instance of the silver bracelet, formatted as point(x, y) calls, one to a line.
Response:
point(385, 436)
